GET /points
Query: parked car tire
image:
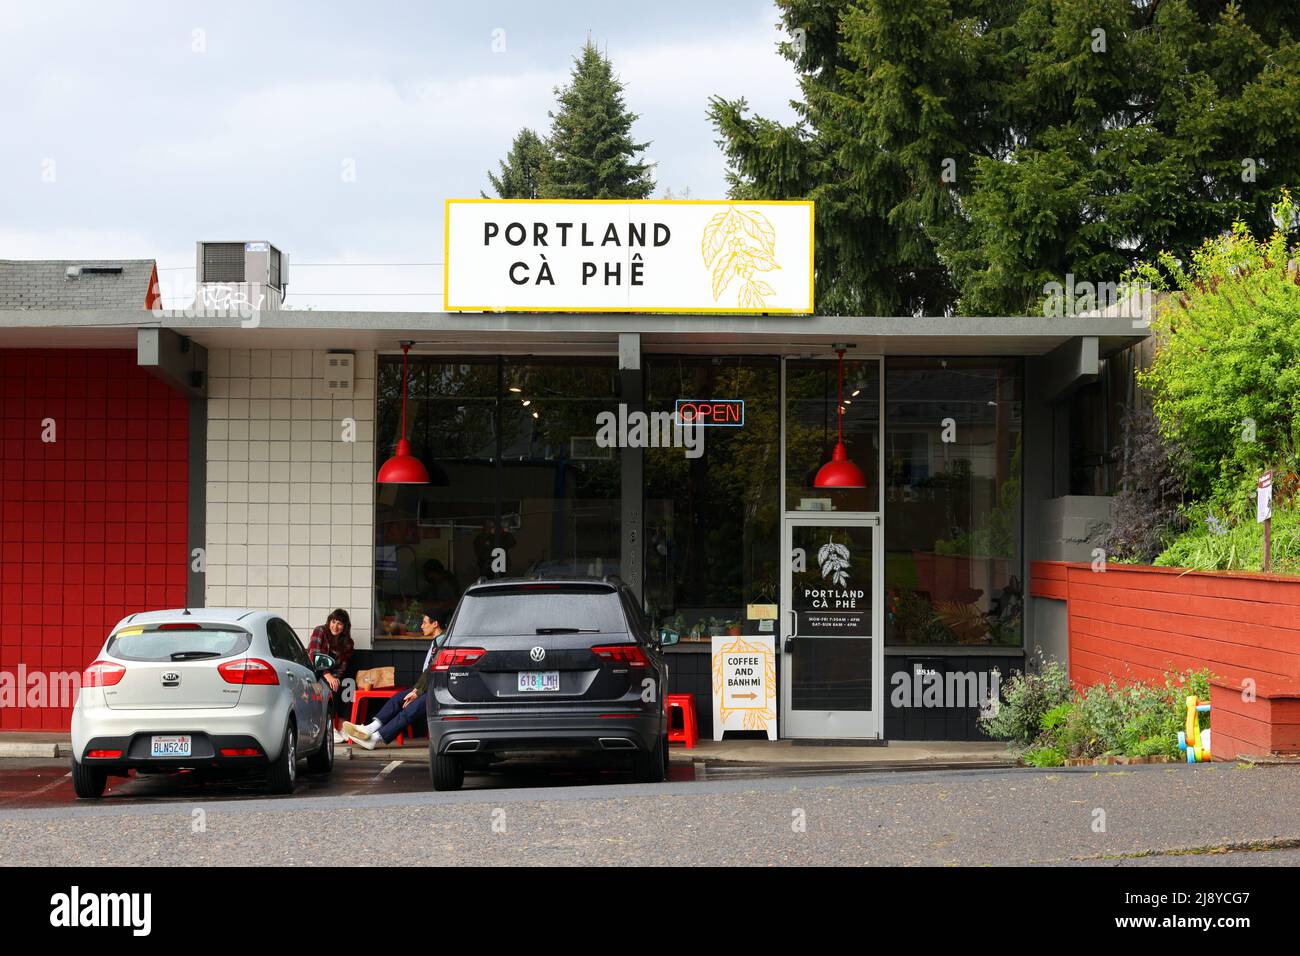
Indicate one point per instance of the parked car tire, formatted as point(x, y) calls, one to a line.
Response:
point(88, 782)
point(322, 761)
point(652, 767)
point(281, 775)
point(446, 773)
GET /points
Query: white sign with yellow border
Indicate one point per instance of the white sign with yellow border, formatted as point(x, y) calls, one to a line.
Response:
point(654, 255)
point(744, 684)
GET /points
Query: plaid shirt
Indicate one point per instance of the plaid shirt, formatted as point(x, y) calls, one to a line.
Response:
point(339, 648)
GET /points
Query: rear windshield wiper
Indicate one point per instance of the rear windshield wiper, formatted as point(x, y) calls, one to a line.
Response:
point(193, 655)
point(568, 630)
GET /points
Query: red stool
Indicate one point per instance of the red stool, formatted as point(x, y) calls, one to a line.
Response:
point(689, 733)
point(382, 693)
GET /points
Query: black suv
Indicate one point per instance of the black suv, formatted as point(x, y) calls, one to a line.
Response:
point(531, 666)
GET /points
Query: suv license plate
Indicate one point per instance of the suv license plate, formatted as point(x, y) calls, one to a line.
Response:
point(539, 680)
point(178, 746)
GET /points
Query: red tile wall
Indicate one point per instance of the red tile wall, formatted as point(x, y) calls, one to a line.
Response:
point(93, 526)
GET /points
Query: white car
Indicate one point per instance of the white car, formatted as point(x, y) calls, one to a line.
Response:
point(220, 688)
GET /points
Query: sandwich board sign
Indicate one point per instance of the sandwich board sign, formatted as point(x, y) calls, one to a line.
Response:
point(744, 684)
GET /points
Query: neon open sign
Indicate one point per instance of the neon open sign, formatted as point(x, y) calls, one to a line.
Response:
point(711, 411)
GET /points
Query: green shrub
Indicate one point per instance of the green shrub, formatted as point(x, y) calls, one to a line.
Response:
point(1044, 756)
point(1025, 699)
point(1133, 720)
point(1225, 380)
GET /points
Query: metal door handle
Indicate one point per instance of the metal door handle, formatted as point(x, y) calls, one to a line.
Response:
point(794, 631)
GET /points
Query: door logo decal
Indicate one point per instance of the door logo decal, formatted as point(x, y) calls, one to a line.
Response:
point(834, 561)
point(538, 654)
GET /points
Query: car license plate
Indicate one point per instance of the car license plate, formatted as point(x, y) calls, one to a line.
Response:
point(178, 746)
point(539, 680)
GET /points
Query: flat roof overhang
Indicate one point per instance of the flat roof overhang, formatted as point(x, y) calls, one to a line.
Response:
point(578, 333)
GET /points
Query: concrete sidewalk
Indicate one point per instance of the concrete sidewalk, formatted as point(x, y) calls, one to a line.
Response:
point(902, 753)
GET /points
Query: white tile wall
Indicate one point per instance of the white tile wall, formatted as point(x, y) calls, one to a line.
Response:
point(290, 510)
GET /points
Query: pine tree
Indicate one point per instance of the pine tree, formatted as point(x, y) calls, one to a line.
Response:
point(521, 169)
point(964, 153)
point(592, 154)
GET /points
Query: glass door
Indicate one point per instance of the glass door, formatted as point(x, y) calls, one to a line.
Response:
point(832, 628)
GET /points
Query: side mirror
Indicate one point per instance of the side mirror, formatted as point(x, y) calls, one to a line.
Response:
point(321, 663)
point(668, 636)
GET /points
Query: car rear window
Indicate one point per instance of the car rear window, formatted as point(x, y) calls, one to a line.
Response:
point(139, 644)
point(533, 609)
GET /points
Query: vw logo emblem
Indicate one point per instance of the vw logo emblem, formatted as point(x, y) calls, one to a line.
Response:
point(538, 653)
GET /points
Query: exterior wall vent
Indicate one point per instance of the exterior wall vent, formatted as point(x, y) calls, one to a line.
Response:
point(339, 368)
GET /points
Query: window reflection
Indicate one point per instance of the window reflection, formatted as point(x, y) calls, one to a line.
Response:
point(517, 484)
point(953, 501)
point(810, 396)
point(712, 522)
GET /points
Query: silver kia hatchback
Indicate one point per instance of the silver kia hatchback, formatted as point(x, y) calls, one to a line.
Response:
point(205, 688)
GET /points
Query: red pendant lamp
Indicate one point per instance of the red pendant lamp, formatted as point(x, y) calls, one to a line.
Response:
point(839, 473)
point(403, 468)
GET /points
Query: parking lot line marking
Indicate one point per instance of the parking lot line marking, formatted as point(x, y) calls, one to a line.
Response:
point(58, 782)
point(390, 768)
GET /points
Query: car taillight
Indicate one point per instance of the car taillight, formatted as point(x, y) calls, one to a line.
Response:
point(180, 627)
point(103, 754)
point(449, 657)
point(248, 670)
point(240, 752)
point(102, 674)
point(621, 654)
point(460, 718)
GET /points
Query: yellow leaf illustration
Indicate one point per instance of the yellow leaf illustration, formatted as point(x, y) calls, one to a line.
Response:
point(757, 226)
point(736, 244)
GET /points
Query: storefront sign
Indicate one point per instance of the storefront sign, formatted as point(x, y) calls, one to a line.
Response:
point(744, 684)
point(711, 411)
point(515, 255)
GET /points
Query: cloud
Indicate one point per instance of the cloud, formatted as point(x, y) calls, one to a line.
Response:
point(158, 147)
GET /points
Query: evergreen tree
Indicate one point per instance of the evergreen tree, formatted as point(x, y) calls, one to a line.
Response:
point(521, 169)
point(592, 153)
point(964, 153)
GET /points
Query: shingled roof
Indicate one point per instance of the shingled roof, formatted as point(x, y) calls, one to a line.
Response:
point(78, 283)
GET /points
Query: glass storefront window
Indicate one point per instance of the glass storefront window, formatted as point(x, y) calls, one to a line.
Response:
point(712, 522)
point(810, 409)
point(517, 485)
point(953, 501)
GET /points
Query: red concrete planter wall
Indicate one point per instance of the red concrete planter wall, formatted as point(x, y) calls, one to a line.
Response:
point(92, 526)
point(1133, 622)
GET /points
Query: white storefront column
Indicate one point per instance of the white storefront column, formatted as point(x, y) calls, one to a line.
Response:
point(290, 499)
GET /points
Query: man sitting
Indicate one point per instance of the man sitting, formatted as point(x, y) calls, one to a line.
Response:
point(399, 711)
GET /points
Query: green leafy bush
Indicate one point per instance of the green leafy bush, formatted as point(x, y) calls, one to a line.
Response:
point(1225, 380)
point(1025, 699)
point(1132, 720)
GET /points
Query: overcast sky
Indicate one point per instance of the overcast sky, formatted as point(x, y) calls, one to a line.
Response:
point(131, 130)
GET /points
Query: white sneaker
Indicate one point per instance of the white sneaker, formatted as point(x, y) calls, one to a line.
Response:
point(371, 742)
point(339, 737)
point(352, 730)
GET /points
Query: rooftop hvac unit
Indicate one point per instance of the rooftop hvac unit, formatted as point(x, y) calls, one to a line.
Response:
point(230, 275)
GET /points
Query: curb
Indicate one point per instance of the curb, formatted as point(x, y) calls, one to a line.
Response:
point(51, 749)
